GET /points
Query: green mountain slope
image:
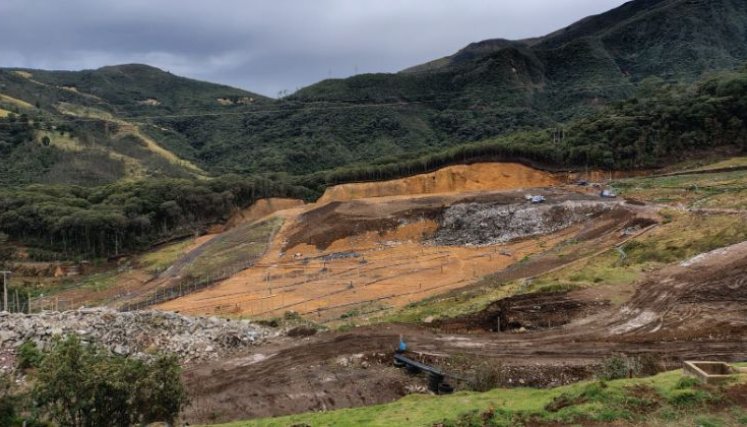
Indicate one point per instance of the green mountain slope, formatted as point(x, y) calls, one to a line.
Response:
point(85, 127)
point(134, 121)
point(559, 101)
point(488, 89)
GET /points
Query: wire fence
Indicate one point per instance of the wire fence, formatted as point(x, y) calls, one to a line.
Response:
point(179, 287)
point(173, 287)
point(16, 305)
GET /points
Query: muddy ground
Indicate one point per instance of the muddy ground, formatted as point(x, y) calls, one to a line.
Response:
point(694, 310)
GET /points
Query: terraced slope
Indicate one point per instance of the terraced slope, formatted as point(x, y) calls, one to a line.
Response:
point(358, 251)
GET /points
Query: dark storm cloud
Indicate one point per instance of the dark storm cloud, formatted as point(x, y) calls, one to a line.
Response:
point(267, 45)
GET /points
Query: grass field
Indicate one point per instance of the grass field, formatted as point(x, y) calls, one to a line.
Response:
point(667, 399)
point(229, 251)
point(724, 190)
point(159, 260)
point(14, 101)
point(734, 162)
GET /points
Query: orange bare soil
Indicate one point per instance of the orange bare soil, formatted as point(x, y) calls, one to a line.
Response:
point(362, 269)
point(362, 272)
point(461, 178)
point(366, 247)
point(262, 208)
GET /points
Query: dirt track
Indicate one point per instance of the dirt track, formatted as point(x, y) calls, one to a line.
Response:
point(378, 253)
point(696, 310)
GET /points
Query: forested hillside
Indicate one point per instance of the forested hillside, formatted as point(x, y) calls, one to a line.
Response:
point(489, 89)
point(102, 161)
point(663, 123)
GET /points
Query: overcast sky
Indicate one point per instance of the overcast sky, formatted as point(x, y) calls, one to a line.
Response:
point(267, 45)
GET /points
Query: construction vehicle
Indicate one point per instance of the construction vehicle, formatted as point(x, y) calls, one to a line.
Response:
point(537, 199)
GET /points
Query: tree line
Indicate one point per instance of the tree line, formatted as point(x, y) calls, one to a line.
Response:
point(111, 220)
point(661, 124)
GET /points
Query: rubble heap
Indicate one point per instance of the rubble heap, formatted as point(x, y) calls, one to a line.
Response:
point(136, 333)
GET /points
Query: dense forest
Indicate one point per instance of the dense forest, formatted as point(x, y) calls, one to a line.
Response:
point(110, 220)
point(662, 123)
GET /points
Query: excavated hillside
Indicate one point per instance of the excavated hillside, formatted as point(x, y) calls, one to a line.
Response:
point(461, 178)
point(471, 277)
point(367, 248)
point(262, 208)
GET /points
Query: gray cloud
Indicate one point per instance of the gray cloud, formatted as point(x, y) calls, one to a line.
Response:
point(267, 45)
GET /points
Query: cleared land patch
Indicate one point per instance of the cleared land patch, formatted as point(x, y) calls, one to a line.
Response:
point(346, 260)
point(15, 101)
point(462, 178)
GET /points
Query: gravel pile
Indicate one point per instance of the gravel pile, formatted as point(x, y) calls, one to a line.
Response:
point(136, 333)
point(477, 224)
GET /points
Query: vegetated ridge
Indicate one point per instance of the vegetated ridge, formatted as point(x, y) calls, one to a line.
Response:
point(625, 89)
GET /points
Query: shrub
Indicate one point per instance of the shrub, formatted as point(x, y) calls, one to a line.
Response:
point(686, 382)
point(7, 402)
point(83, 385)
point(488, 376)
point(613, 368)
point(622, 366)
point(29, 356)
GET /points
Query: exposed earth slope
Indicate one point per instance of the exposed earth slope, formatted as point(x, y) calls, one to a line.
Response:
point(321, 380)
point(468, 270)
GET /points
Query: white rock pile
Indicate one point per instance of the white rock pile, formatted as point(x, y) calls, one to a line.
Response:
point(136, 333)
point(479, 224)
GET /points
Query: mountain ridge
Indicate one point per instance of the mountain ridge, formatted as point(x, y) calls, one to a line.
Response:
point(487, 89)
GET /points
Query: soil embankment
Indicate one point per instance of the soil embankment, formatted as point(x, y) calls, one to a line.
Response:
point(349, 258)
point(452, 179)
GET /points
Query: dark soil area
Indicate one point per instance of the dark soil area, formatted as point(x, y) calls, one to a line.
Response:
point(336, 370)
point(525, 312)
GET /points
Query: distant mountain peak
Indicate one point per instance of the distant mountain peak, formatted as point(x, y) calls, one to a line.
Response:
point(130, 68)
point(644, 37)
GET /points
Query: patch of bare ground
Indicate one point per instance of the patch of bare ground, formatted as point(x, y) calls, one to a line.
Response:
point(344, 258)
point(566, 353)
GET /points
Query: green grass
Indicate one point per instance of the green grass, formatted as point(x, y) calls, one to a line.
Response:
point(245, 243)
point(682, 237)
point(453, 304)
point(159, 260)
point(734, 162)
point(660, 400)
point(723, 190)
